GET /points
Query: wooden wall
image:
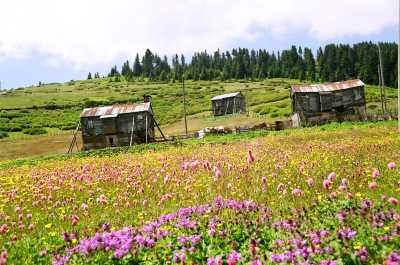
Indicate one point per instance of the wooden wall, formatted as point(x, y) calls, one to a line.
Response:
point(228, 105)
point(96, 132)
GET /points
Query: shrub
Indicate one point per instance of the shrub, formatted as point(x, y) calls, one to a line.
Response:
point(266, 110)
point(3, 135)
point(372, 106)
point(34, 131)
point(282, 104)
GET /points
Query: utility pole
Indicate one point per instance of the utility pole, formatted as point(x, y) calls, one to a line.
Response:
point(381, 90)
point(382, 79)
point(184, 102)
point(398, 80)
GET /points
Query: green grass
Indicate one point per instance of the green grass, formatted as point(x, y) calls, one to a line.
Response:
point(208, 139)
point(59, 105)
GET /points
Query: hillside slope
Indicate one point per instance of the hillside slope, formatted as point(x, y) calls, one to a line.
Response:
point(56, 107)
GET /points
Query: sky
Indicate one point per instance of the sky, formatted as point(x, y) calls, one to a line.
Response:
point(62, 40)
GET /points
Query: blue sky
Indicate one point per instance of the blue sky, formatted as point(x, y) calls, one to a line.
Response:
point(56, 41)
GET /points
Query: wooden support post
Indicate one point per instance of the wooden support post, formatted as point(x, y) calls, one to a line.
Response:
point(73, 141)
point(146, 128)
point(382, 79)
point(133, 126)
point(381, 90)
point(155, 122)
point(184, 103)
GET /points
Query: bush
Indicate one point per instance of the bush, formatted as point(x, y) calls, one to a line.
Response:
point(11, 127)
point(3, 135)
point(34, 131)
point(266, 110)
point(372, 106)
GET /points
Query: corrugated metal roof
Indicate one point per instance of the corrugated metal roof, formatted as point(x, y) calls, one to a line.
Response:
point(115, 110)
point(327, 87)
point(230, 95)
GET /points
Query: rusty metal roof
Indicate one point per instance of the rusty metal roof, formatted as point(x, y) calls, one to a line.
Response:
point(327, 87)
point(115, 110)
point(230, 95)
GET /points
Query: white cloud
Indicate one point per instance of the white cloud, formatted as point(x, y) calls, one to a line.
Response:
point(90, 32)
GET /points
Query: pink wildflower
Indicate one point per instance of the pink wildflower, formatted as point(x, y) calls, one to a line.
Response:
point(297, 192)
point(392, 165)
point(250, 157)
point(3, 257)
point(393, 201)
point(327, 184)
point(372, 185)
point(375, 173)
point(233, 258)
point(74, 219)
point(332, 176)
point(102, 199)
point(310, 182)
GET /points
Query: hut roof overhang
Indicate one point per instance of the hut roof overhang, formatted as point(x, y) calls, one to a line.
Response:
point(115, 110)
point(230, 95)
point(327, 87)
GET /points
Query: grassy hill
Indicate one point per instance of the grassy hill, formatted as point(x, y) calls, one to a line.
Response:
point(56, 107)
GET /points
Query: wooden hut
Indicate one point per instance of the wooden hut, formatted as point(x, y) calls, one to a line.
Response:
point(318, 100)
point(117, 125)
point(228, 104)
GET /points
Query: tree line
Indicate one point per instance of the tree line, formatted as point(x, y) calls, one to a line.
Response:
point(333, 62)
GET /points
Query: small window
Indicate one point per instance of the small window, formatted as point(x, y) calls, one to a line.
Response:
point(140, 117)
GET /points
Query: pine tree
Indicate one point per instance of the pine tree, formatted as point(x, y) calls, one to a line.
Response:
point(89, 76)
point(147, 64)
point(137, 67)
point(126, 70)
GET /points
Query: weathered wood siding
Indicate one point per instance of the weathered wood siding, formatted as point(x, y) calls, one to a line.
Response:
point(314, 103)
point(96, 132)
point(229, 105)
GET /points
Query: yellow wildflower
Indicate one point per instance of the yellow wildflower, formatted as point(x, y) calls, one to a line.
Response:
point(357, 246)
point(48, 226)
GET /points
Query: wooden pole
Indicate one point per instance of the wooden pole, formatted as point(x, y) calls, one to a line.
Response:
point(146, 127)
point(381, 90)
point(155, 122)
point(398, 79)
point(184, 104)
point(71, 146)
point(382, 79)
point(133, 126)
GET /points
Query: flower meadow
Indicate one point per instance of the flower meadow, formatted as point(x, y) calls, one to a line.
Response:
point(303, 197)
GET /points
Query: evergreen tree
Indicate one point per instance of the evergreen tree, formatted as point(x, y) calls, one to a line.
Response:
point(147, 64)
point(126, 70)
point(137, 67)
point(89, 76)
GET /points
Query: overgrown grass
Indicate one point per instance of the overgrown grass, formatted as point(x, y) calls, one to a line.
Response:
point(58, 105)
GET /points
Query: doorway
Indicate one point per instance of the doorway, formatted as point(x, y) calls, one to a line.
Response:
point(111, 140)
